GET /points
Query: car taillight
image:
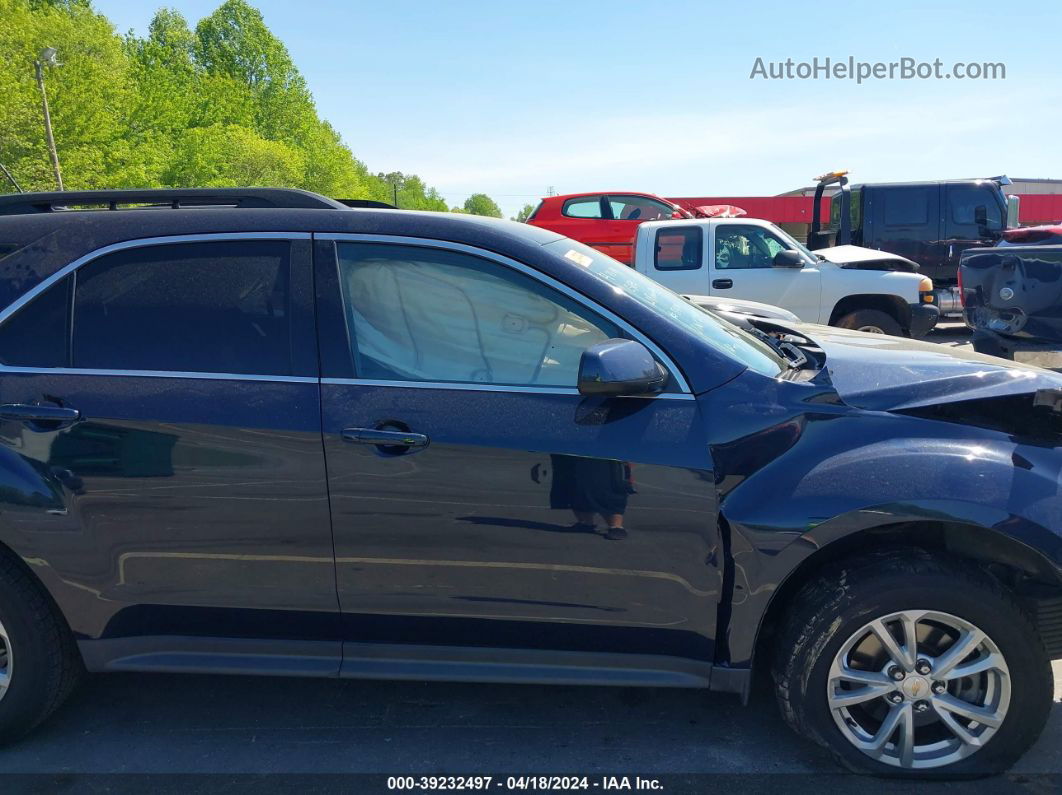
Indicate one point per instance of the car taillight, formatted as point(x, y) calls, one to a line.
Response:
point(962, 293)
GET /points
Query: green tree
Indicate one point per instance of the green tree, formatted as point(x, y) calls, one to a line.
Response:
point(221, 105)
point(226, 155)
point(482, 204)
point(89, 94)
point(235, 42)
point(411, 192)
point(525, 213)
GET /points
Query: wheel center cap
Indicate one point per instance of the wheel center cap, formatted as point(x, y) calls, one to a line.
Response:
point(915, 687)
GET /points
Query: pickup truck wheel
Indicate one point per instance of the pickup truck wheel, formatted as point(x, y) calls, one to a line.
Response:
point(872, 321)
point(39, 661)
point(906, 665)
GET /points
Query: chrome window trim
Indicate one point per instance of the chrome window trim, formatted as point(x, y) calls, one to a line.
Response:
point(501, 259)
point(466, 386)
point(142, 242)
point(285, 379)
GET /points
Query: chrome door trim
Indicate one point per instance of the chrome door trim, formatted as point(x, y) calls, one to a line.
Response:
point(467, 386)
point(143, 242)
point(501, 259)
point(285, 379)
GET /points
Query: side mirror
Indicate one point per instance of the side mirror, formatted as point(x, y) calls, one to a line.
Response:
point(1013, 208)
point(788, 259)
point(620, 367)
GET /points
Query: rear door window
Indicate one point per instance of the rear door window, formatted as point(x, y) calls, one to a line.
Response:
point(583, 207)
point(38, 334)
point(210, 307)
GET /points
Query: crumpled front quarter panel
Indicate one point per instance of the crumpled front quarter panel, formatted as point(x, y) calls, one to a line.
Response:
point(798, 470)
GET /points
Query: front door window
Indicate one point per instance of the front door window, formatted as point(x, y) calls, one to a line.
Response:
point(740, 247)
point(423, 314)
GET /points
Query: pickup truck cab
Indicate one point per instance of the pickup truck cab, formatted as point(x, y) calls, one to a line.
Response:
point(754, 260)
point(930, 223)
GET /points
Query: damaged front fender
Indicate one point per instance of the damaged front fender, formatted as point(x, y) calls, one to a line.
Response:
point(812, 475)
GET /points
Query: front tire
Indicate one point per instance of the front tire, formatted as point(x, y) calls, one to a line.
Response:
point(871, 321)
point(39, 662)
point(903, 664)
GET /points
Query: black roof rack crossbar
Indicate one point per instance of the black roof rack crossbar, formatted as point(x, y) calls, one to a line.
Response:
point(175, 198)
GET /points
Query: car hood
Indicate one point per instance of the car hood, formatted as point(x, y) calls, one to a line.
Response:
point(884, 373)
point(738, 306)
point(857, 256)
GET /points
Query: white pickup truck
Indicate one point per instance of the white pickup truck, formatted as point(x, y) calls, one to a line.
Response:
point(754, 260)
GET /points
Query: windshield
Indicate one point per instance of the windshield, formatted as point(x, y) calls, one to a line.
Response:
point(706, 326)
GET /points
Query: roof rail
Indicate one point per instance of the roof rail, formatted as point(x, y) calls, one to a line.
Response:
point(157, 198)
point(366, 204)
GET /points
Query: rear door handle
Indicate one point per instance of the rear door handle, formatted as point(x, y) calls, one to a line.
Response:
point(55, 415)
point(722, 284)
point(384, 438)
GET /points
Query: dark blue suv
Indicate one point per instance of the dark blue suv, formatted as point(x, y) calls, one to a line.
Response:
point(260, 432)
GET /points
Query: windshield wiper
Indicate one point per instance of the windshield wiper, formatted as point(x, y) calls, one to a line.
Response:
point(793, 354)
point(787, 351)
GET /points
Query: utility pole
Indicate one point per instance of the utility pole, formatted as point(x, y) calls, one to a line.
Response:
point(10, 178)
point(48, 57)
point(394, 185)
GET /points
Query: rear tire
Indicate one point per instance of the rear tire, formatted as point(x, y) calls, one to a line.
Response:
point(830, 633)
point(872, 321)
point(39, 660)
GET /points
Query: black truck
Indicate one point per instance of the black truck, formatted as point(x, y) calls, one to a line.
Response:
point(930, 223)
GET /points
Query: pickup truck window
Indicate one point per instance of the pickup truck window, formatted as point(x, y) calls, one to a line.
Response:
point(583, 207)
point(423, 314)
point(906, 206)
point(740, 247)
point(963, 203)
point(855, 211)
point(679, 249)
point(721, 335)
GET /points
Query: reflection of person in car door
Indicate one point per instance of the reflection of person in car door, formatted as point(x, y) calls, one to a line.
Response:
point(589, 487)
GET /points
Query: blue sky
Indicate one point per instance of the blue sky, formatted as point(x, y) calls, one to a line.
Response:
point(514, 97)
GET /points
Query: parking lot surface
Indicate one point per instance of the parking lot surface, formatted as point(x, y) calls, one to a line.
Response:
point(156, 723)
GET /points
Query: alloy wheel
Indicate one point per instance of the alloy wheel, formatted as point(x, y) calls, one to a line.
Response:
point(918, 689)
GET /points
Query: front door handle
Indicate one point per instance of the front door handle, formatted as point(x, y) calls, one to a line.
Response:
point(385, 438)
point(722, 284)
point(55, 416)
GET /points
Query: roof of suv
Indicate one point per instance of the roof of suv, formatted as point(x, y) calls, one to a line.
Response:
point(36, 242)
